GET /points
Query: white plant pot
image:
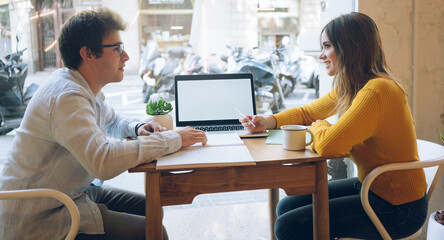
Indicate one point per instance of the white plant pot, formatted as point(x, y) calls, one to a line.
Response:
point(435, 230)
point(164, 120)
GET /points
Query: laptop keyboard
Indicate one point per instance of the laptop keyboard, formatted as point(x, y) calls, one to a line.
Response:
point(220, 128)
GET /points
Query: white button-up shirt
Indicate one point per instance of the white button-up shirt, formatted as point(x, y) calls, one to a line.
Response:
point(62, 144)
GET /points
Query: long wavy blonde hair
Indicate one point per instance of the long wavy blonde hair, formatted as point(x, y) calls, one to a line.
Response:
point(356, 41)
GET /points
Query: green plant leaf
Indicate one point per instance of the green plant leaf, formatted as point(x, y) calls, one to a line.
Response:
point(160, 107)
point(169, 107)
point(151, 105)
point(441, 135)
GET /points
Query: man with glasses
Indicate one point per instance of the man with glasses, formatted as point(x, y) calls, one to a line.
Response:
point(69, 136)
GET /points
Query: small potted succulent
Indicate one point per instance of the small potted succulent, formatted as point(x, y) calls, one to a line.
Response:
point(160, 110)
point(435, 228)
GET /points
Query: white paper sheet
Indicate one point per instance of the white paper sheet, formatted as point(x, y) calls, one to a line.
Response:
point(221, 150)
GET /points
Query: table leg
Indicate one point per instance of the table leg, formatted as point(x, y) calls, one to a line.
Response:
point(273, 199)
point(321, 224)
point(153, 208)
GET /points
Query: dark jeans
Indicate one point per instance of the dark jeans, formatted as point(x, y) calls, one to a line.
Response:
point(347, 216)
point(123, 214)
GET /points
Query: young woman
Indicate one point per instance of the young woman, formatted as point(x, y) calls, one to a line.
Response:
point(375, 126)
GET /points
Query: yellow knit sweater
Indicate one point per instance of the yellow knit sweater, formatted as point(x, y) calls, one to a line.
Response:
point(376, 129)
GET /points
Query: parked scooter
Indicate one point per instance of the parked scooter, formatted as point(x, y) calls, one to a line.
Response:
point(150, 52)
point(13, 98)
point(238, 54)
point(279, 62)
point(193, 63)
point(268, 91)
point(150, 66)
point(271, 84)
point(159, 77)
point(304, 70)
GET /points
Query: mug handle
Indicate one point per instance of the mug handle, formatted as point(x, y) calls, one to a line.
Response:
point(311, 139)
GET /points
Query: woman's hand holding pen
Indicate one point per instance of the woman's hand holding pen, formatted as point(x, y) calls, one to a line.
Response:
point(254, 124)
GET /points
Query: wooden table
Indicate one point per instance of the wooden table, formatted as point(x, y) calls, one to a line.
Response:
point(297, 172)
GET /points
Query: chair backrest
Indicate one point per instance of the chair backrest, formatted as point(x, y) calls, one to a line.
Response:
point(431, 155)
point(427, 151)
point(51, 193)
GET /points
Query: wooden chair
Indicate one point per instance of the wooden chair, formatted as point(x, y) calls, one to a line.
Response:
point(51, 193)
point(431, 157)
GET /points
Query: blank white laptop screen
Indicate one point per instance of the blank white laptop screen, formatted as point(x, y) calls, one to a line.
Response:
point(212, 99)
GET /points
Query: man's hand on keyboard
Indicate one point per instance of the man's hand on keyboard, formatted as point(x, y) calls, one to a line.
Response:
point(191, 136)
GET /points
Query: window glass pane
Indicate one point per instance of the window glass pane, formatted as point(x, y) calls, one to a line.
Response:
point(5, 31)
point(166, 4)
point(67, 3)
point(221, 35)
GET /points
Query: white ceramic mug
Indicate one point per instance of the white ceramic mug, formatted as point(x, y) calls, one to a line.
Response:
point(294, 137)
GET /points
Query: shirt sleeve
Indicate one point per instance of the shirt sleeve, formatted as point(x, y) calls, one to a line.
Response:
point(118, 126)
point(73, 125)
point(358, 123)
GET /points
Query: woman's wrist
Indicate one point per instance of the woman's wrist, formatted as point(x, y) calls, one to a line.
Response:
point(271, 122)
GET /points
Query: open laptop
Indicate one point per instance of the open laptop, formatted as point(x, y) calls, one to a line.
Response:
point(208, 102)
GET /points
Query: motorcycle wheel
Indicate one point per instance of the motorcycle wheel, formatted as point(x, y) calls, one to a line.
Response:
point(4, 131)
point(316, 85)
point(287, 83)
point(276, 103)
point(147, 93)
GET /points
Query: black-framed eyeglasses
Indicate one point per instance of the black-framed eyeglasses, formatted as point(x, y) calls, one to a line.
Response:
point(120, 45)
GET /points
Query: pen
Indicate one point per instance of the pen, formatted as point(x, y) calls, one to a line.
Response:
point(237, 110)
